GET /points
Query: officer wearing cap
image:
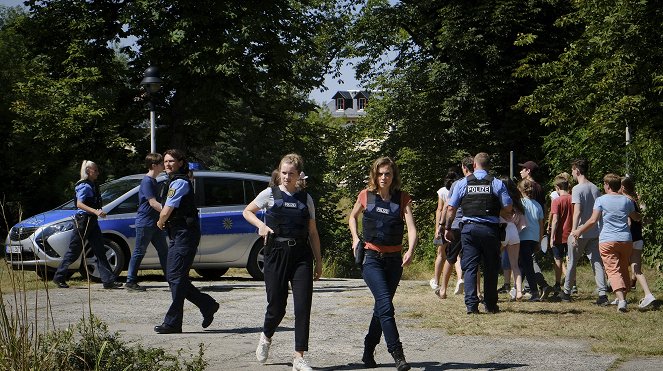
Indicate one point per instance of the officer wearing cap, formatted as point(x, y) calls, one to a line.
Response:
point(482, 198)
point(180, 217)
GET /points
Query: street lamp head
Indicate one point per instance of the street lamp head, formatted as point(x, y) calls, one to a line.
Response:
point(151, 81)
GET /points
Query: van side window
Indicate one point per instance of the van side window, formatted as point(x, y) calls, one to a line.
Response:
point(130, 205)
point(258, 187)
point(223, 192)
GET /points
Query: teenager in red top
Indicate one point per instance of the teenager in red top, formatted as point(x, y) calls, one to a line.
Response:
point(561, 212)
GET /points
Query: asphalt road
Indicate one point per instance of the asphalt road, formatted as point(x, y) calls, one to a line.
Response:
point(341, 309)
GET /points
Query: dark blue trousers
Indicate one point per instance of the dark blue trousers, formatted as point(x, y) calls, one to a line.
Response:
point(526, 264)
point(382, 276)
point(183, 247)
point(87, 228)
point(481, 243)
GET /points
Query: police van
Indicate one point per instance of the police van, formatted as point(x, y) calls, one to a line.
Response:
point(228, 240)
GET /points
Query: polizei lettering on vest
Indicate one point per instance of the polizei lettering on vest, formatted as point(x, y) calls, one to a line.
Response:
point(290, 204)
point(478, 189)
point(382, 210)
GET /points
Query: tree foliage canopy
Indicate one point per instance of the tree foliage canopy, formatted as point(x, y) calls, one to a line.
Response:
point(550, 80)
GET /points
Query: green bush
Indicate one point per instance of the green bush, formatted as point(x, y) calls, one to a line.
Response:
point(88, 346)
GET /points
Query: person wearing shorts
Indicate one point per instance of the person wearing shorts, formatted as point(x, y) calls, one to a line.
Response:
point(561, 212)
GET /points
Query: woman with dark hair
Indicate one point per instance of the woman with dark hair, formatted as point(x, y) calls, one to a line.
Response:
point(511, 243)
point(387, 210)
point(628, 190)
point(441, 263)
point(294, 243)
point(179, 216)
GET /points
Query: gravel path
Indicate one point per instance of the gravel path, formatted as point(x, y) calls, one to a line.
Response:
point(341, 308)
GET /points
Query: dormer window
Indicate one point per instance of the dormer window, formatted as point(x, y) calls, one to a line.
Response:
point(340, 104)
point(361, 103)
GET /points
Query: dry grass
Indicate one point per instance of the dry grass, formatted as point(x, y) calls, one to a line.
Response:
point(20, 280)
point(631, 334)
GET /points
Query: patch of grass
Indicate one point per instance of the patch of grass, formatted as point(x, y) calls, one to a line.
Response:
point(418, 270)
point(631, 334)
point(30, 341)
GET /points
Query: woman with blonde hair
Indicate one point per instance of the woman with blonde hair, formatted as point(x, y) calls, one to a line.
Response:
point(89, 204)
point(292, 243)
point(386, 211)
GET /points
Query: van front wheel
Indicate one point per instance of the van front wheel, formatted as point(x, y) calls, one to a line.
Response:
point(211, 274)
point(256, 263)
point(114, 255)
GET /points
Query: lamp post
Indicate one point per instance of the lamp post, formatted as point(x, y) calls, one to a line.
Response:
point(151, 83)
point(628, 141)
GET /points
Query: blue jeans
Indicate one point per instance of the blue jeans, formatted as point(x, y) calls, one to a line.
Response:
point(183, 248)
point(145, 235)
point(382, 275)
point(481, 242)
point(87, 228)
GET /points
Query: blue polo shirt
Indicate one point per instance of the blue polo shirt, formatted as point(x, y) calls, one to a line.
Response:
point(146, 216)
point(178, 189)
point(498, 189)
point(83, 191)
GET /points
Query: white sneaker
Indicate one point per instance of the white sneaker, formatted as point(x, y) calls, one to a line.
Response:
point(621, 306)
point(433, 284)
point(512, 293)
point(262, 351)
point(646, 301)
point(300, 364)
point(460, 287)
point(614, 302)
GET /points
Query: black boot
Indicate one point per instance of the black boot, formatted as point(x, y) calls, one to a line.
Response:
point(369, 356)
point(399, 358)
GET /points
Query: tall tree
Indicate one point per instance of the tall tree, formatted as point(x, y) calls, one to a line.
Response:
point(236, 70)
point(445, 72)
point(608, 78)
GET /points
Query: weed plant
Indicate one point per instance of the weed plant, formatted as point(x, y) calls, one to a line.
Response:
point(30, 340)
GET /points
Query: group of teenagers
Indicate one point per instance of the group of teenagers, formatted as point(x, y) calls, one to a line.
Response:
point(478, 214)
point(606, 227)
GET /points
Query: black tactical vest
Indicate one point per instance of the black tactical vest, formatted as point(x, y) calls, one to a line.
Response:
point(289, 217)
point(186, 215)
point(383, 221)
point(479, 199)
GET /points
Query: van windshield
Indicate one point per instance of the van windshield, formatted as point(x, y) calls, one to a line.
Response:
point(109, 191)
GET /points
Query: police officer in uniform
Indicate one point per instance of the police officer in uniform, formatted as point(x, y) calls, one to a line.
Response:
point(292, 243)
point(180, 217)
point(88, 202)
point(482, 198)
point(386, 211)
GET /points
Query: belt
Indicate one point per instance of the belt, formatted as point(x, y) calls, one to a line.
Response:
point(290, 241)
point(484, 223)
point(383, 255)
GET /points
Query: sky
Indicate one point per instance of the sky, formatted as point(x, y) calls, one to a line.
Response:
point(349, 83)
point(332, 84)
